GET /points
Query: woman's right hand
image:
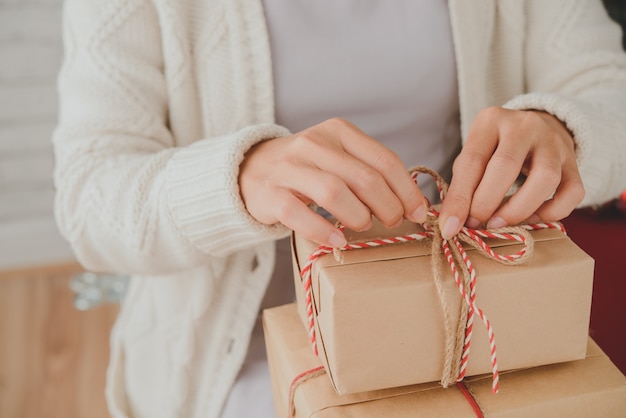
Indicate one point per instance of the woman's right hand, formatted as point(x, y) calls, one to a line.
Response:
point(336, 166)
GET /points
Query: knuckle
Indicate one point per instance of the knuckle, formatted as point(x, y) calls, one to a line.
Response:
point(507, 158)
point(490, 113)
point(527, 121)
point(284, 210)
point(550, 172)
point(368, 179)
point(464, 162)
point(330, 192)
point(387, 161)
point(338, 123)
point(553, 143)
point(306, 141)
point(457, 203)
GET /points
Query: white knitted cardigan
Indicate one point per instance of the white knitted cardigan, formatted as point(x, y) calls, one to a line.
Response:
point(161, 99)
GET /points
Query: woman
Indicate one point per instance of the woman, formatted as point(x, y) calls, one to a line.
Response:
point(176, 160)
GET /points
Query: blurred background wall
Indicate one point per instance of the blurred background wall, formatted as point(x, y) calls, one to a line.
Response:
point(30, 56)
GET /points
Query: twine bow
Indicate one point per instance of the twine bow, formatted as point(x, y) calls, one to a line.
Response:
point(457, 342)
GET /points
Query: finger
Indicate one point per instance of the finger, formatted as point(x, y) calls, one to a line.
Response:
point(294, 214)
point(354, 175)
point(388, 165)
point(501, 172)
point(329, 192)
point(467, 171)
point(368, 185)
point(543, 179)
point(567, 197)
point(412, 201)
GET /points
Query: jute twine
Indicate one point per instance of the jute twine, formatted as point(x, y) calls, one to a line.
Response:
point(457, 341)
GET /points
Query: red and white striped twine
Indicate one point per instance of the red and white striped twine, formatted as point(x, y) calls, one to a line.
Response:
point(469, 234)
point(322, 250)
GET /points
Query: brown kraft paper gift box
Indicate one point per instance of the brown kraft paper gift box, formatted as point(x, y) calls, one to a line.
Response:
point(592, 387)
point(379, 321)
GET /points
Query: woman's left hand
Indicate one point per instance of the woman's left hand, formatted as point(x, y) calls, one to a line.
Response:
point(502, 144)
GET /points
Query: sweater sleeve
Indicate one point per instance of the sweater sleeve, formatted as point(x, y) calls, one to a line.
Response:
point(576, 70)
point(128, 199)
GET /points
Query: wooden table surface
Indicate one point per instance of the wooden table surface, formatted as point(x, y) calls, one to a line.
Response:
point(53, 357)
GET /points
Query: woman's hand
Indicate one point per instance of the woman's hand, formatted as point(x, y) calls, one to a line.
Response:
point(336, 166)
point(502, 144)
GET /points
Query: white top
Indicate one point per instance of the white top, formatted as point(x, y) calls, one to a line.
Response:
point(389, 68)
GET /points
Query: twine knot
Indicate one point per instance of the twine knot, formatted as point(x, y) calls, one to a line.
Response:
point(457, 342)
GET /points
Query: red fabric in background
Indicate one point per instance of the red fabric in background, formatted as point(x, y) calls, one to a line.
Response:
point(602, 235)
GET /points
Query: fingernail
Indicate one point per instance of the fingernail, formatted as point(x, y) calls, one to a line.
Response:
point(472, 222)
point(451, 227)
point(496, 222)
point(337, 240)
point(419, 215)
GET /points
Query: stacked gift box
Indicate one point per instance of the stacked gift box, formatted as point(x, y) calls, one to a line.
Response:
point(370, 333)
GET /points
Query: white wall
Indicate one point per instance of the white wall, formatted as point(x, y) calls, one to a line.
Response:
point(30, 57)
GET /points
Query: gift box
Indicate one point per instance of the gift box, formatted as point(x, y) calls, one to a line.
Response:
point(592, 387)
point(377, 316)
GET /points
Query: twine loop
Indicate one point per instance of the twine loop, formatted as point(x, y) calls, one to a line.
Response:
point(457, 341)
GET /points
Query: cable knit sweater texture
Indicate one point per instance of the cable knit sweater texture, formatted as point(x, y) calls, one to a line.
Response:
point(160, 100)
